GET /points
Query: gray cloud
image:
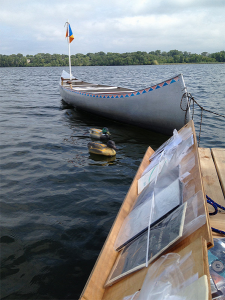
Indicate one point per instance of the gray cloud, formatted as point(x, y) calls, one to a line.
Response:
point(30, 27)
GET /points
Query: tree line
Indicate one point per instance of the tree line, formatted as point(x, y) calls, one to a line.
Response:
point(110, 59)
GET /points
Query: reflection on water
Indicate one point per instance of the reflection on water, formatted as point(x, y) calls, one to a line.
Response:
point(101, 159)
point(58, 201)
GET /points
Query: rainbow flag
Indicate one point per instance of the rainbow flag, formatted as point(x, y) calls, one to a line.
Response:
point(69, 33)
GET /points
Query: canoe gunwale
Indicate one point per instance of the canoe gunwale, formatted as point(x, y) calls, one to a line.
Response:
point(128, 92)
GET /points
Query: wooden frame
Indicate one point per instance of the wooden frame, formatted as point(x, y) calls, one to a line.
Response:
point(197, 242)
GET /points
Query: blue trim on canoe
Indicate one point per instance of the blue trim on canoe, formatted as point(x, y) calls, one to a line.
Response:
point(147, 90)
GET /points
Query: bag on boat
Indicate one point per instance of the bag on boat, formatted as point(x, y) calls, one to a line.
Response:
point(172, 277)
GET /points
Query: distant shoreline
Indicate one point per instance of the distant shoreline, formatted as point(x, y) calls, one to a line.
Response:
point(111, 59)
point(165, 64)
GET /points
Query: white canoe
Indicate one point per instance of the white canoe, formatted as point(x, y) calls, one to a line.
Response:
point(157, 108)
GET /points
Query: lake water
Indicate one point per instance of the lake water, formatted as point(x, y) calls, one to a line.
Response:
point(58, 202)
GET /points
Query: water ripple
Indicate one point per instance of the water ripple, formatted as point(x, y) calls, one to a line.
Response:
point(58, 202)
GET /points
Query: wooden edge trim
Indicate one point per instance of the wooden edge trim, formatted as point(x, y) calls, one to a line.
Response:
point(206, 265)
point(210, 243)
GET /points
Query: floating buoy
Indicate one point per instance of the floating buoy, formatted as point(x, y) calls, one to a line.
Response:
point(102, 149)
point(99, 134)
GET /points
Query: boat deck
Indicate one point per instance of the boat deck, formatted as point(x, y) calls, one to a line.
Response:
point(82, 86)
point(212, 162)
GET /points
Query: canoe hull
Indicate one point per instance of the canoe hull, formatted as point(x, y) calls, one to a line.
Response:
point(156, 108)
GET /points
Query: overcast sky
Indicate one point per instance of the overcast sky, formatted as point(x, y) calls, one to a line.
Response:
point(37, 26)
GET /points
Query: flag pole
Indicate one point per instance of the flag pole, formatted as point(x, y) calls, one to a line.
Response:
point(68, 39)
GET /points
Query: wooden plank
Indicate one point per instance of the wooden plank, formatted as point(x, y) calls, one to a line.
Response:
point(212, 187)
point(205, 232)
point(218, 222)
point(209, 176)
point(218, 155)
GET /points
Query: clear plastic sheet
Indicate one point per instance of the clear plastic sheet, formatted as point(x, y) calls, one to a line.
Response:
point(160, 199)
point(153, 173)
point(164, 190)
point(132, 297)
point(182, 151)
point(167, 277)
point(150, 176)
point(166, 199)
point(189, 188)
point(145, 195)
point(166, 233)
point(195, 214)
point(170, 157)
point(164, 152)
point(133, 256)
point(172, 142)
point(188, 164)
point(175, 141)
point(198, 289)
point(155, 162)
point(134, 224)
point(164, 179)
point(186, 133)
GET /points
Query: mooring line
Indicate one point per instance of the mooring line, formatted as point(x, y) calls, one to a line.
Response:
point(190, 99)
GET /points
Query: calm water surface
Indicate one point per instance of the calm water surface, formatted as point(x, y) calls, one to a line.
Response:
point(58, 202)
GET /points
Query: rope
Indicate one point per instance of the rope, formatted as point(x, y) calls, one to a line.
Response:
point(190, 99)
point(215, 206)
